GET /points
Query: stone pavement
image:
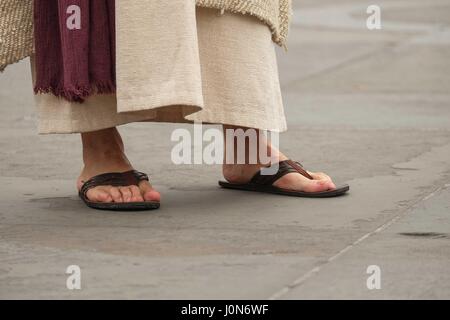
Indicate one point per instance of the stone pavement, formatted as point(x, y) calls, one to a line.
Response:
point(372, 108)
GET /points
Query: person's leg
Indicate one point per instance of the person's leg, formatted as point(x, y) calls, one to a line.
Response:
point(242, 173)
point(103, 152)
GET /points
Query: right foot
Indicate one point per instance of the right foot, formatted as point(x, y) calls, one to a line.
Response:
point(103, 152)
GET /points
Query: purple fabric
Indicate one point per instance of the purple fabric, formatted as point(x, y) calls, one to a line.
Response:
point(73, 62)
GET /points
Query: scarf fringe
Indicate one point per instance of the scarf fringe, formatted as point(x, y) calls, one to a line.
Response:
point(79, 93)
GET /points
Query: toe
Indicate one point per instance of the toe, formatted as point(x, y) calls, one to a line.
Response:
point(98, 195)
point(115, 194)
point(148, 192)
point(136, 195)
point(297, 182)
point(126, 194)
point(318, 186)
point(103, 196)
point(152, 195)
point(320, 176)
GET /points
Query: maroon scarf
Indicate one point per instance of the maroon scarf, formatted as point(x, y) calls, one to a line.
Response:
point(74, 60)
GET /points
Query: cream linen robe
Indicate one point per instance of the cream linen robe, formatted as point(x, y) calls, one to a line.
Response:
point(179, 63)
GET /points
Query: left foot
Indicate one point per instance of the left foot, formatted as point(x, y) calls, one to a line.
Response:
point(243, 173)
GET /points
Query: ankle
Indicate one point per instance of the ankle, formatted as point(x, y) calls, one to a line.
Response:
point(102, 140)
point(257, 149)
point(102, 143)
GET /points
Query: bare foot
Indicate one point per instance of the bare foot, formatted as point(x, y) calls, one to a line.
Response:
point(243, 173)
point(103, 152)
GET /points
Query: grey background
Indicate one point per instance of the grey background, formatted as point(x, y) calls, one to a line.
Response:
point(371, 108)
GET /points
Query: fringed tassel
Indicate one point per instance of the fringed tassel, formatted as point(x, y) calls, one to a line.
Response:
point(78, 94)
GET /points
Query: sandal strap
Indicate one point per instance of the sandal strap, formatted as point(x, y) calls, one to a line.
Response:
point(284, 167)
point(116, 179)
point(299, 168)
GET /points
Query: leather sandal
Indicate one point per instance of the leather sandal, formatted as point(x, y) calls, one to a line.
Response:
point(264, 183)
point(117, 179)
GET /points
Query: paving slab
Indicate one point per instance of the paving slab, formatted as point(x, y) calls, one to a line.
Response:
point(412, 255)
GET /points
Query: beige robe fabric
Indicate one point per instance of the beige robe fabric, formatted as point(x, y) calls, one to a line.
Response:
point(194, 65)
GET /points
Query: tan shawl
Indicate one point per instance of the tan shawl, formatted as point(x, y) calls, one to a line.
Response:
point(16, 31)
point(275, 13)
point(16, 22)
